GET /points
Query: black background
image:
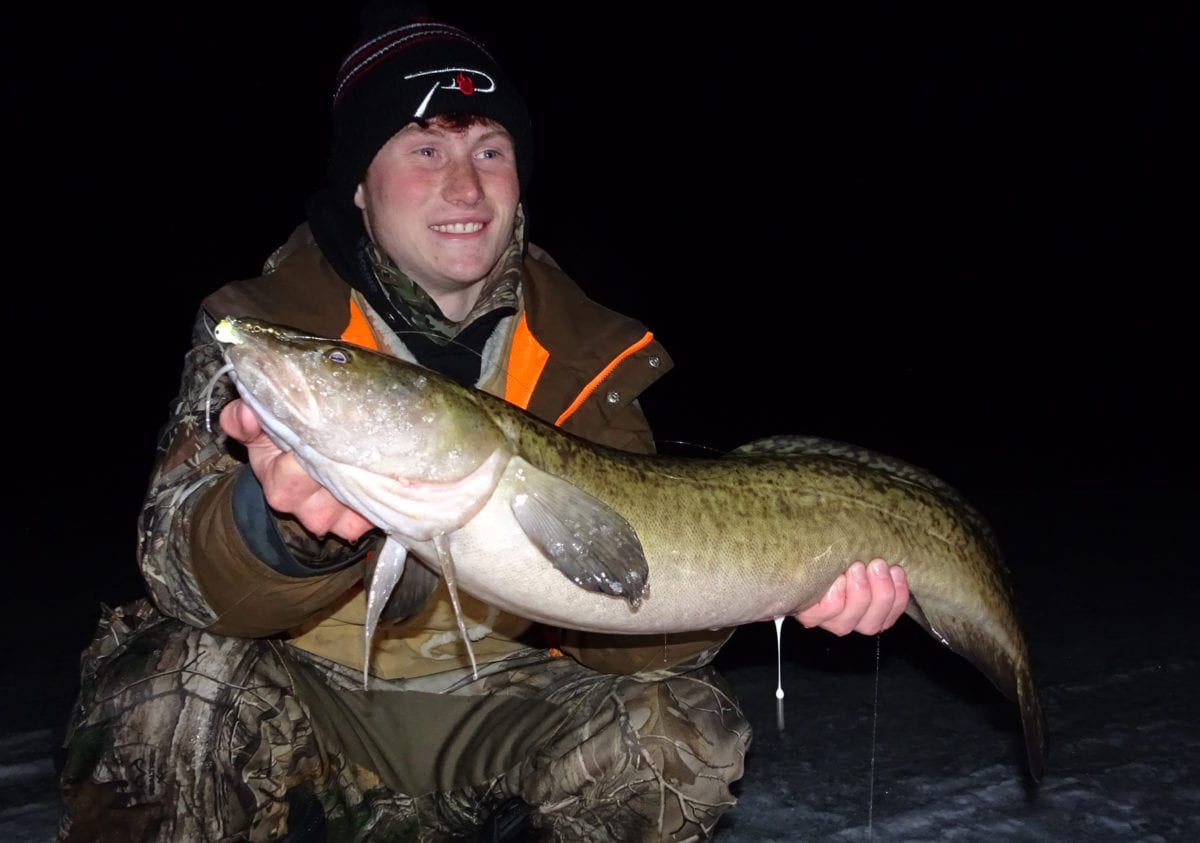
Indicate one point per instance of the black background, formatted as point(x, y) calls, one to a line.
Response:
point(960, 234)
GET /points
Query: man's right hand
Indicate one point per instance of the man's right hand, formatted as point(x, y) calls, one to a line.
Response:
point(290, 489)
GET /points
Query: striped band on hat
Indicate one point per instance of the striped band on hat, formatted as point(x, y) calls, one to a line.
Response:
point(367, 54)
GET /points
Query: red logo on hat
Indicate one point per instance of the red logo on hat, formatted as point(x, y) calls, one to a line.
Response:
point(465, 83)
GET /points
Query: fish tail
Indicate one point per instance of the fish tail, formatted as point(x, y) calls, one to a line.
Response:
point(1033, 722)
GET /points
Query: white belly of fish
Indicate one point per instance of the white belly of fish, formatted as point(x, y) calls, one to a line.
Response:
point(495, 561)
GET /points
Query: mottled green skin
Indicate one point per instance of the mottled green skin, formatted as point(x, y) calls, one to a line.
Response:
point(787, 525)
point(735, 539)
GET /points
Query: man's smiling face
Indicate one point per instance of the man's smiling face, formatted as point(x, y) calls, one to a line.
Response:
point(441, 201)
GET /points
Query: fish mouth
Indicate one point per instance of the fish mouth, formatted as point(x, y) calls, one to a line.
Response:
point(290, 408)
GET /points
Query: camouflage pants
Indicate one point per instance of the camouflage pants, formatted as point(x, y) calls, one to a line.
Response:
point(182, 735)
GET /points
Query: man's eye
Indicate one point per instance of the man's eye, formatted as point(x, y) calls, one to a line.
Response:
point(427, 151)
point(490, 153)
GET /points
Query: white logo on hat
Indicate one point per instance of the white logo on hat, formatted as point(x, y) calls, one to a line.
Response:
point(458, 75)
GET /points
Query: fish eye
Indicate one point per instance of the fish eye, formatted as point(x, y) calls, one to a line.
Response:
point(337, 355)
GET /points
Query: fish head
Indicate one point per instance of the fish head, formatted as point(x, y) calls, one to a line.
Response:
point(330, 400)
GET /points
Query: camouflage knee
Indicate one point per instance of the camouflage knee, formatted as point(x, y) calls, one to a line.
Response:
point(653, 761)
point(182, 735)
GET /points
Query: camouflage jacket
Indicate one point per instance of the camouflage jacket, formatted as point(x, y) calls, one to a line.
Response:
point(215, 556)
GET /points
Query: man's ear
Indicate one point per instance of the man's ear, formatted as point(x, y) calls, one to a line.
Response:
point(358, 197)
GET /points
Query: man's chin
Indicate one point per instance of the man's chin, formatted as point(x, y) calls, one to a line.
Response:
point(467, 270)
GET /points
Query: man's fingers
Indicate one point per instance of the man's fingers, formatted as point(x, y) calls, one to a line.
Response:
point(859, 597)
point(900, 602)
point(880, 596)
point(239, 421)
point(844, 605)
point(829, 606)
point(323, 515)
point(865, 599)
point(287, 485)
point(319, 511)
point(351, 526)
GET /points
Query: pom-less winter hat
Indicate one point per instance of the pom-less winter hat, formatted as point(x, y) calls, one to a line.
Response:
point(414, 71)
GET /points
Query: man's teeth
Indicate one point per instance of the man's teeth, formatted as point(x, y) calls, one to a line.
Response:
point(458, 227)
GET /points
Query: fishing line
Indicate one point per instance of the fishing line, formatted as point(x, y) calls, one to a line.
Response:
point(874, 731)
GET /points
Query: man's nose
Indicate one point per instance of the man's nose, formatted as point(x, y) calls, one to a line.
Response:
point(462, 184)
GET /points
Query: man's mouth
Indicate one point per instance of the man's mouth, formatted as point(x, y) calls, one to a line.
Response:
point(458, 227)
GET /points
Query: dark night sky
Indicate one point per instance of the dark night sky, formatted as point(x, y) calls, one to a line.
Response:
point(956, 236)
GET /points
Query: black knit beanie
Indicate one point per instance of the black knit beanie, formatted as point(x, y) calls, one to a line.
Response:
point(414, 70)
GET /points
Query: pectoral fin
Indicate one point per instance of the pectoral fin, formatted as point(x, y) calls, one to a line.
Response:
point(381, 582)
point(589, 542)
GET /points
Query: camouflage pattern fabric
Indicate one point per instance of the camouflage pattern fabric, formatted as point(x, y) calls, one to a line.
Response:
point(183, 735)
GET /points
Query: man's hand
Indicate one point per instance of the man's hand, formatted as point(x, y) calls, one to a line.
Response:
point(864, 599)
point(288, 487)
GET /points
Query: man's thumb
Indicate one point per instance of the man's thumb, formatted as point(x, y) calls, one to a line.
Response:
point(239, 421)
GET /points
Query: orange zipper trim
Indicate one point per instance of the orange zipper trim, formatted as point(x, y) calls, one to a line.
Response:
point(596, 381)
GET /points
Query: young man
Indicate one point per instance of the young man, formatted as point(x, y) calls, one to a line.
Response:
point(229, 706)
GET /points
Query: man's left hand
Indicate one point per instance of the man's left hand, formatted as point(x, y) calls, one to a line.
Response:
point(865, 599)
